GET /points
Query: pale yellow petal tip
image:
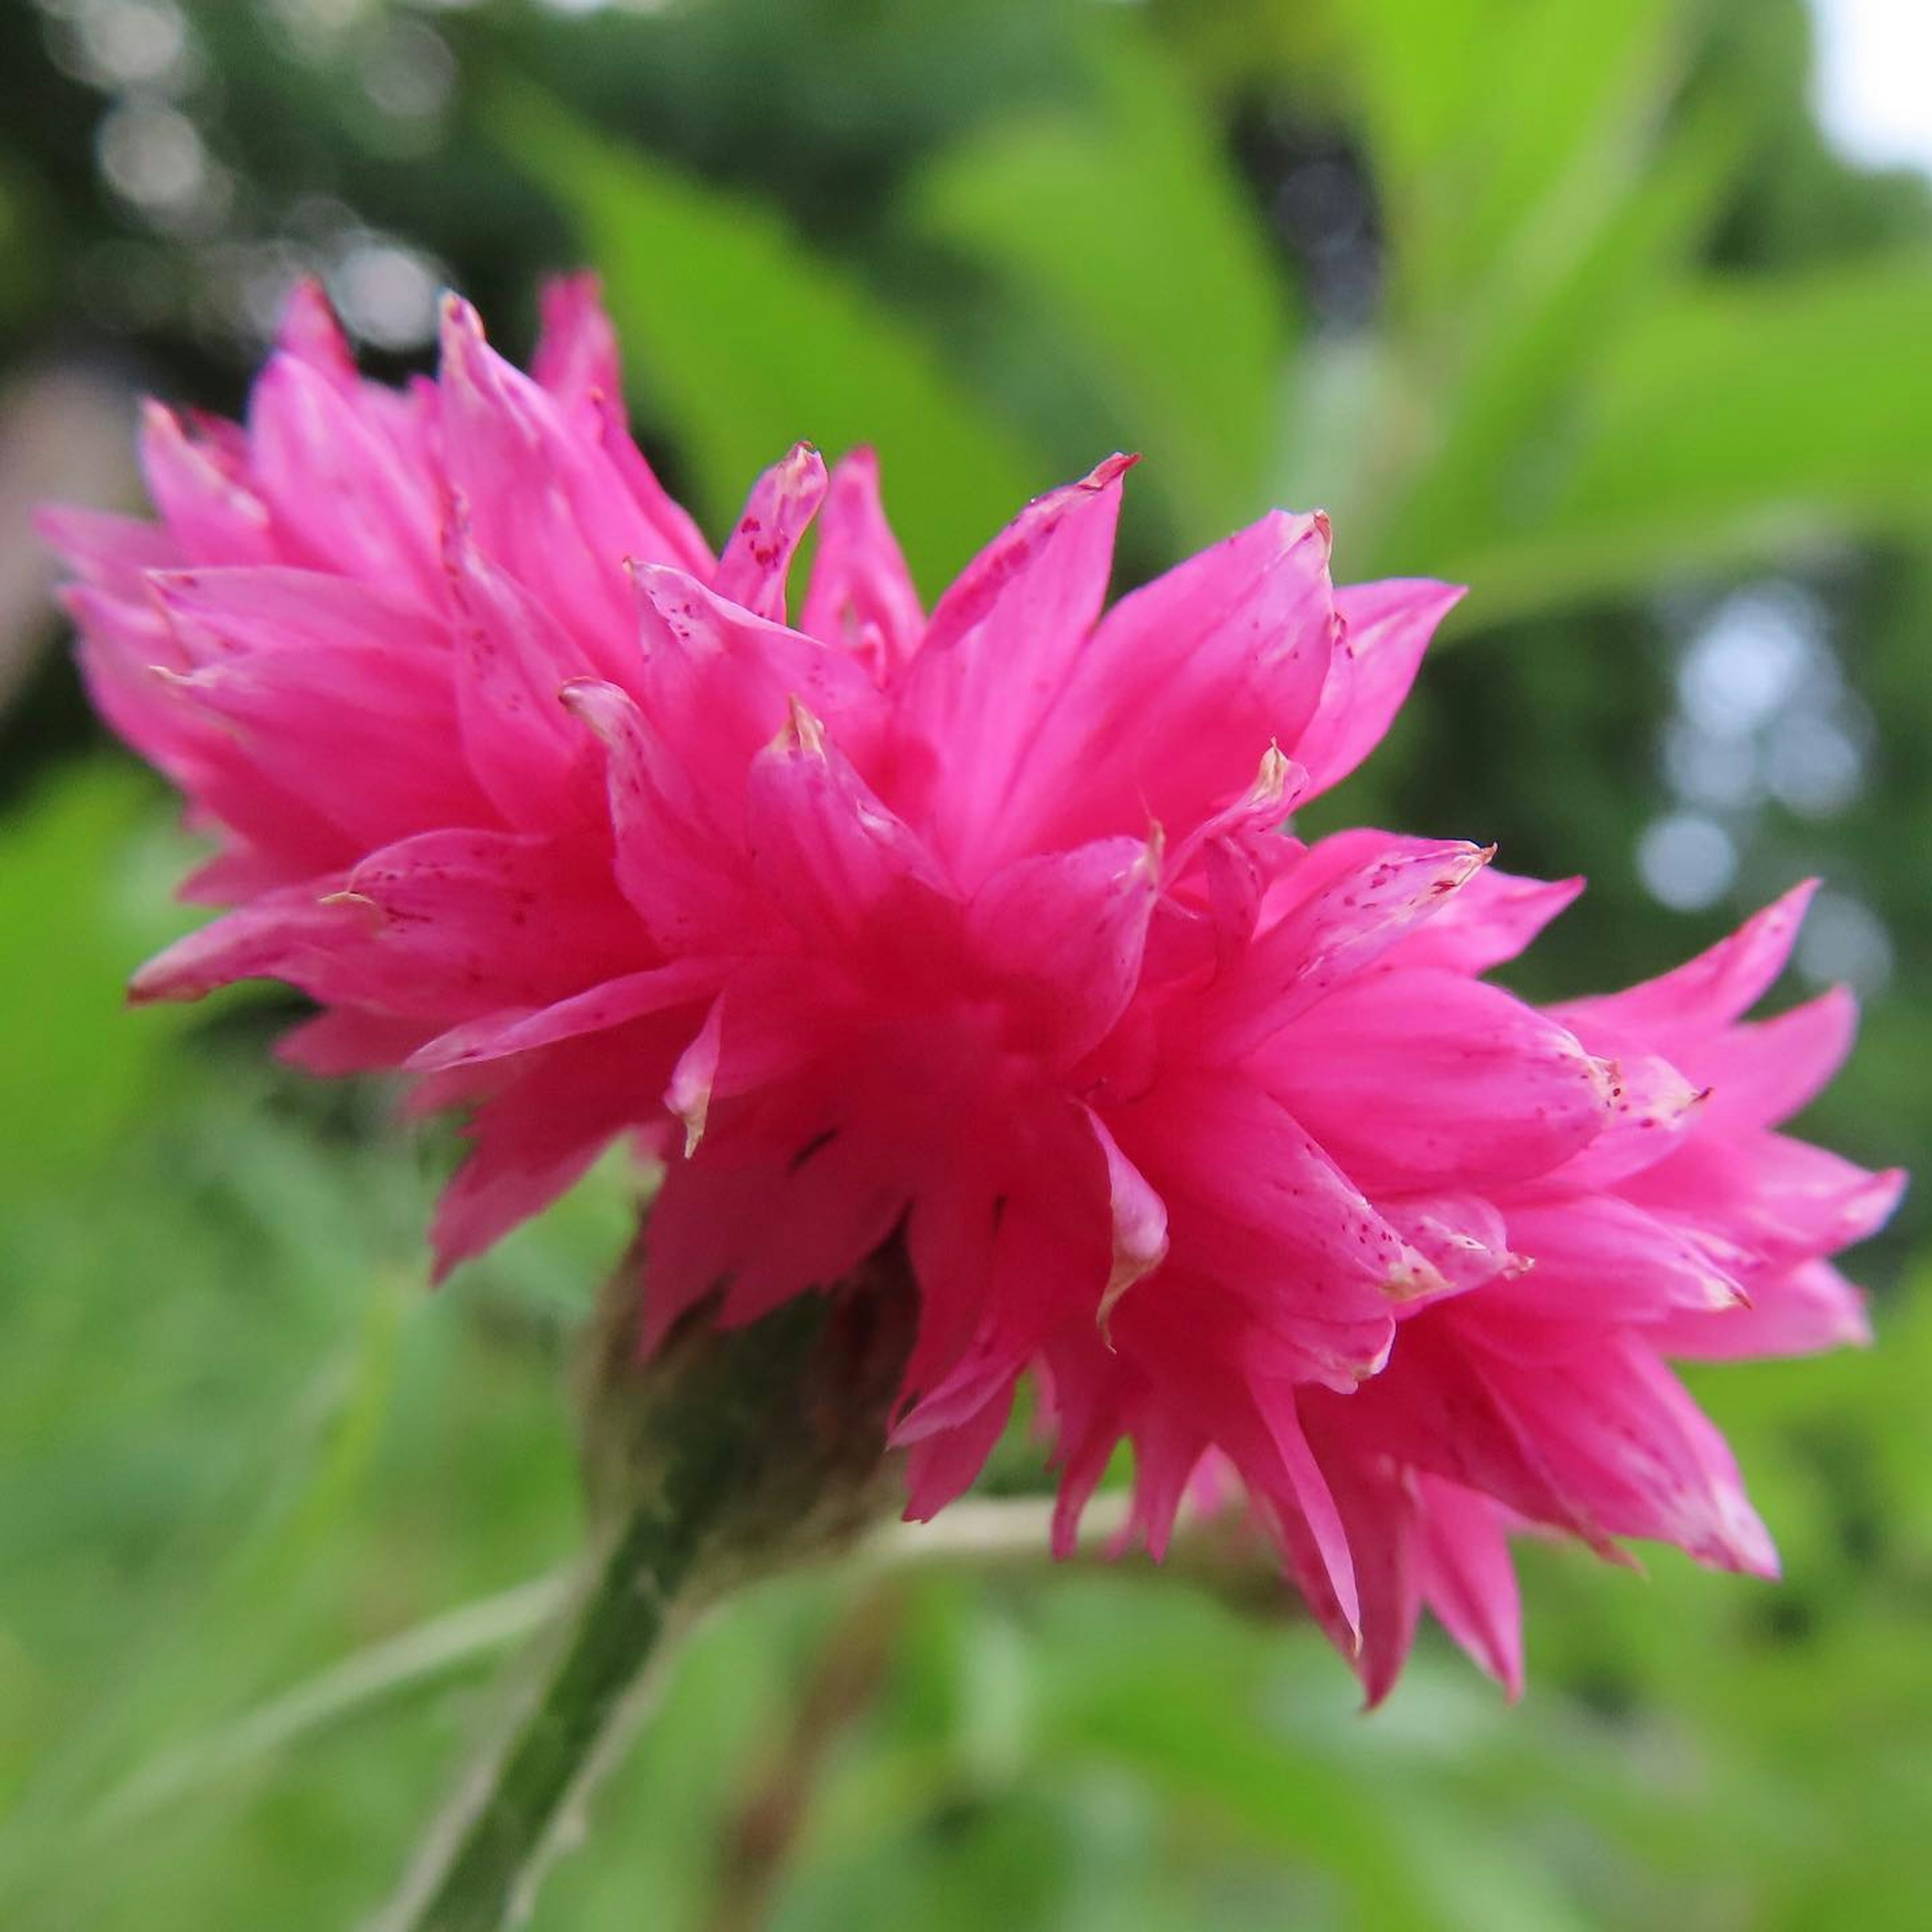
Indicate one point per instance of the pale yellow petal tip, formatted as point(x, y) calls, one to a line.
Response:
point(800, 732)
point(1129, 1267)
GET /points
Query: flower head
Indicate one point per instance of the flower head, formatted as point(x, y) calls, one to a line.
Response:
point(983, 931)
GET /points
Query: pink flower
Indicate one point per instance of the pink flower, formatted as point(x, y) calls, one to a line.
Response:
point(983, 930)
point(1688, 1228)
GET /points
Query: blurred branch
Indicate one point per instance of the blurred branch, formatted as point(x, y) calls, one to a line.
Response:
point(1002, 1535)
point(770, 1815)
point(64, 436)
point(438, 1649)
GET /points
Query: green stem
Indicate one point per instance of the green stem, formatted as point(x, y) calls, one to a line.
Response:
point(730, 1457)
point(479, 1869)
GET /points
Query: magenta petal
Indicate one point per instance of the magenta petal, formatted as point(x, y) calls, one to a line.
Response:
point(1489, 923)
point(210, 513)
point(449, 924)
point(673, 861)
point(344, 495)
point(284, 935)
point(1627, 1445)
point(1065, 934)
point(1468, 1580)
point(1386, 627)
point(114, 551)
point(1715, 988)
point(842, 869)
point(720, 683)
point(1761, 1074)
point(1251, 1198)
point(1654, 1109)
point(511, 662)
point(576, 357)
point(1800, 1311)
point(1424, 1080)
point(943, 1466)
point(301, 715)
point(1599, 1261)
point(311, 333)
point(597, 1009)
point(1139, 1217)
point(999, 649)
point(762, 1226)
point(1181, 689)
point(1353, 915)
point(543, 1121)
point(577, 363)
point(862, 597)
point(754, 565)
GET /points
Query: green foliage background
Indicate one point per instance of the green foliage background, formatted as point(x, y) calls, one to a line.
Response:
point(1611, 333)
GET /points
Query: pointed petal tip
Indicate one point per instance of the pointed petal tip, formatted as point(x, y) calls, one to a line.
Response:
point(460, 342)
point(801, 732)
point(569, 290)
point(1110, 470)
point(595, 703)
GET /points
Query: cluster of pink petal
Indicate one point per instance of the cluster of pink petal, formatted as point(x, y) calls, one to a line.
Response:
point(981, 927)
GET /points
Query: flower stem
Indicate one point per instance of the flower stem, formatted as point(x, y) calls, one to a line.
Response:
point(729, 1457)
point(478, 1869)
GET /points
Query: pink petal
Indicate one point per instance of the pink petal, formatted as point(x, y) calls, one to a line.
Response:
point(1778, 1199)
point(285, 935)
point(720, 683)
point(861, 596)
point(1181, 689)
point(547, 1118)
point(565, 540)
point(1468, 1580)
point(1251, 1199)
point(999, 649)
point(512, 662)
point(310, 333)
point(762, 1226)
point(518, 1029)
point(1386, 627)
point(1424, 1080)
point(577, 362)
point(344, 1040)
point(210, 514)
point(1065, 934)
point(1139, 1221)
point(1654, 1110)
point(113, 551)
point(459, 925)
point(942, 1467)
point(681, 870)
point(1629, 1447)
point(1489, 922)
point(757, 560)
point(304, 717)
point(1598, 1260)
point(830, 857)
point(576, 357)
point(1707, 992)
point(1802, 1311)
point(1355, 903)
point(1762, 1073)
point(345, 497)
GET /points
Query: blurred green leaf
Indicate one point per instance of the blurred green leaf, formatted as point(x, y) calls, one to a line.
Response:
point(745, 336)
point(1741, 421)
point(82, 905)
point(1121, 222)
